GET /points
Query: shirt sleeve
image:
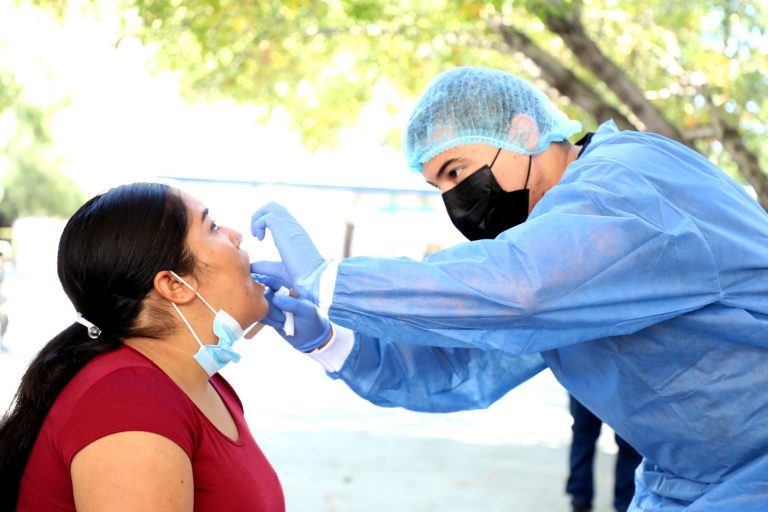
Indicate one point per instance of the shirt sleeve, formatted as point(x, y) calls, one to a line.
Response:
point(129, 399)
point(603, 254)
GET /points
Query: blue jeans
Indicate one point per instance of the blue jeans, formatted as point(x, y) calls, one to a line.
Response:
point(580, 484)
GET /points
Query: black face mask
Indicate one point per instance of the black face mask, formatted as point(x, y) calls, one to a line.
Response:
point(480, 209)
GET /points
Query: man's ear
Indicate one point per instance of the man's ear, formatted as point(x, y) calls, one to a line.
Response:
point(523, 128)
point(171, 288)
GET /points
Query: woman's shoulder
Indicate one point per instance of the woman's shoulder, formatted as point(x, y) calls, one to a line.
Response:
point(125, 370)
point(123, 388)
point(117, 392)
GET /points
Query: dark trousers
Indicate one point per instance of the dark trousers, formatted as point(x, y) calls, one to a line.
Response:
point(580, 485)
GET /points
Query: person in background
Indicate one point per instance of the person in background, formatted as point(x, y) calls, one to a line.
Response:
point(125, 409)
point(626, 263)
point(581, 457)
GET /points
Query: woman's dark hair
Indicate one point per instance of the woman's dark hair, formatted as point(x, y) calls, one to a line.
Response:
point(109, 253)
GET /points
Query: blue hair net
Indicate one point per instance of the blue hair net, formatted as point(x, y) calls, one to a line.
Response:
point(471, 105)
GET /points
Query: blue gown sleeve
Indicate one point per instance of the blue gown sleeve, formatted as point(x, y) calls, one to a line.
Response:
point(603, 254)
point(433, 379)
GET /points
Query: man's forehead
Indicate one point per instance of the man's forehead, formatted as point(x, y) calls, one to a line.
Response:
point(435, 168)
point(462, 152)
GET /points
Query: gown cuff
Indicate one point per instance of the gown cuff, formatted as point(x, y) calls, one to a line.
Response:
point(327, 285)
point(334, 354)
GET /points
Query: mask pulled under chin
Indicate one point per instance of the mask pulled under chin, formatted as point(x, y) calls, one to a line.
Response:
point(214, 357)
point(480, 209)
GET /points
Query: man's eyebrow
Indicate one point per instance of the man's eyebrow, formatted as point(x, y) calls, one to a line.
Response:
point(442, 169)
point(204, 215)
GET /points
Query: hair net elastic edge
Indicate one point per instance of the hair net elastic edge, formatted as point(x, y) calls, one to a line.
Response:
point(420, 158)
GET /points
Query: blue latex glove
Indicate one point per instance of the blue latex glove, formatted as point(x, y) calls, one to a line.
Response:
point(302, 263)
point(311, 329)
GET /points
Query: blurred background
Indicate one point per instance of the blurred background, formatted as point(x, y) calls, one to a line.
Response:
point(241, 102)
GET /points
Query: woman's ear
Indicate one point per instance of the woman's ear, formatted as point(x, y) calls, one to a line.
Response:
point(523, 129)
point(171, 288)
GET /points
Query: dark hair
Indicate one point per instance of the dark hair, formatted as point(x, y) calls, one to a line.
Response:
point(109, 253)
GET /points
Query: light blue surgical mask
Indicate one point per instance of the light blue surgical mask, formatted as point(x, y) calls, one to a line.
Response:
point(214, 357)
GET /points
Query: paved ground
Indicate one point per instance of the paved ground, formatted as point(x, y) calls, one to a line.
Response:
point(337, 472)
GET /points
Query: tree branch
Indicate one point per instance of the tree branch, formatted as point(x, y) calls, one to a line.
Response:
point(733, 143)
point(562, 79)
point(566, 23)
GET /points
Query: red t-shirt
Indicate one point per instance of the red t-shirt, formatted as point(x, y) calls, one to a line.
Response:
point(124, 391)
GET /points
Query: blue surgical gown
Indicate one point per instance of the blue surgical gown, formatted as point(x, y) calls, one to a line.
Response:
point(640, 280)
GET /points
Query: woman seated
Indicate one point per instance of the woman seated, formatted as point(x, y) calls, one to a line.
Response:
point(124, 409)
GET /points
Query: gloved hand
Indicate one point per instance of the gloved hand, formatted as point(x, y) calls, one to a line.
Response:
point(302, 263)
point(311, 329)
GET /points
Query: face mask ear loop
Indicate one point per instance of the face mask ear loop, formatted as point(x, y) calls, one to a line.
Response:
point(190, 287)
point(530, 160)
point(194, 334)
point(494, 159)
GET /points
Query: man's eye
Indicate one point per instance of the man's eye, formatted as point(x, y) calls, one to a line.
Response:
point(214, 226)
point(455, 173)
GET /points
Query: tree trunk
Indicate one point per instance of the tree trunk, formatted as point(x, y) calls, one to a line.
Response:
point(562, 79)
point(566, 23)
point(746, 161)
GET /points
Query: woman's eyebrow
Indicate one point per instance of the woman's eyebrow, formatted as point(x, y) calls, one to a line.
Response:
point(204, 215)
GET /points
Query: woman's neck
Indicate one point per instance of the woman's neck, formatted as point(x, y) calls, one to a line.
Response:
point(174, 355)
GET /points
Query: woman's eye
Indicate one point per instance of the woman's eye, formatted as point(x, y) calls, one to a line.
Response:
point(455, 173)
point(214, 226)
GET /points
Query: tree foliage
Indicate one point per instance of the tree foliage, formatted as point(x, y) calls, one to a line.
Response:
point(31, 188)
point(9, 89)
point(30, 183)
point(695, 71)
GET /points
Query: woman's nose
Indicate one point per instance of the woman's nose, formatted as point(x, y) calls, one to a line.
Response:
point(235, 236)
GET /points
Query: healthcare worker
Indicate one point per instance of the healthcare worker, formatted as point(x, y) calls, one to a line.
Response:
point(629, 265)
